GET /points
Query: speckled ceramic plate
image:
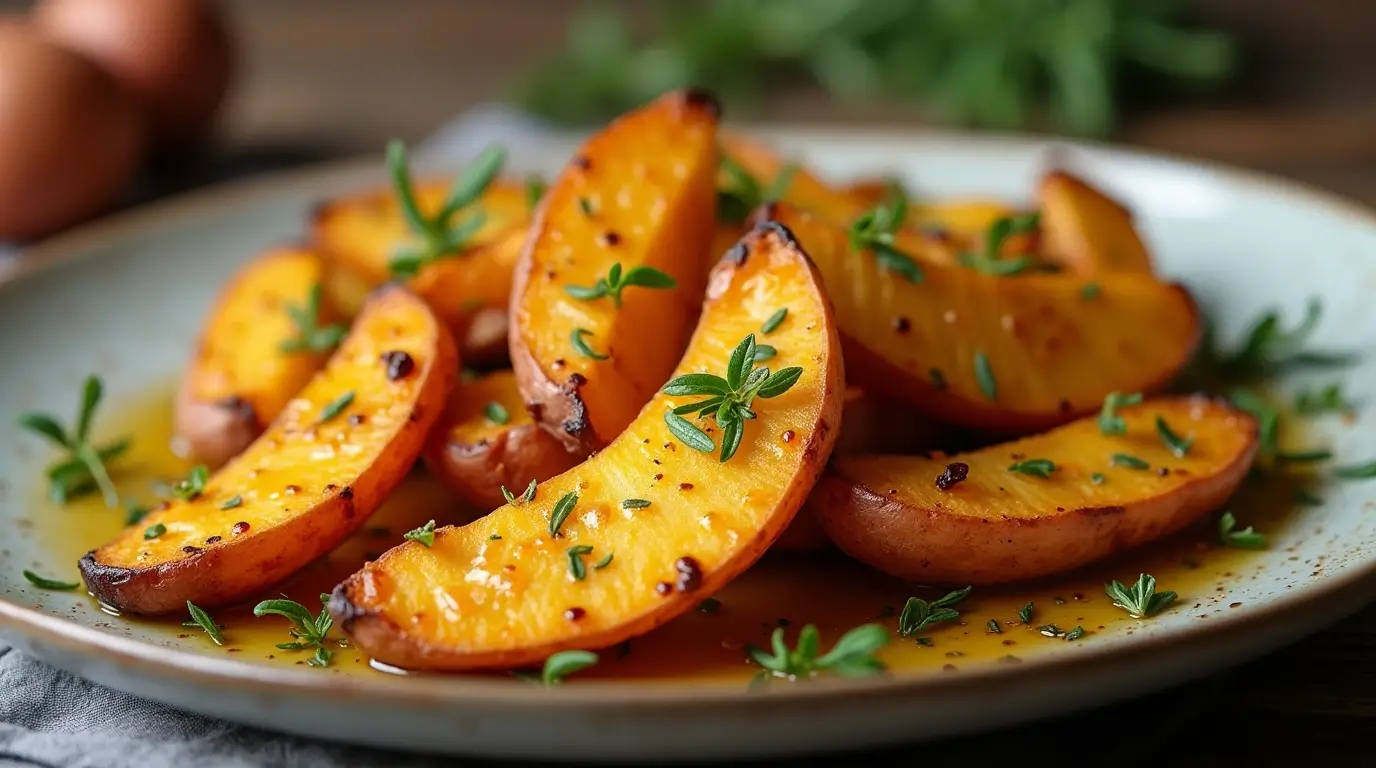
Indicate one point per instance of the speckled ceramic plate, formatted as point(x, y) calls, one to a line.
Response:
point(123, 298)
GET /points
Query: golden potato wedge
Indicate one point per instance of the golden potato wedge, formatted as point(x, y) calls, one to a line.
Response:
point(654, 525)
point(1086, 231)
point(307, 483)
point(1106, 493)
point(358, 235)
point(639, 194)
point(1011, 354)
point(477, 456)
point(253, 354)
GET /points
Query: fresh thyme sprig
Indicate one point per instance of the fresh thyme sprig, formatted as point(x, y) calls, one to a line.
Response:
point(310, 336)
point(1247, 538)
point(729, 399)
point(852, 656)
point(918, 614)
point(989, 261)
point(309, 630)
point(742, 192)
point(1269, 348)
point(199, 618)
point(617, 281)
point(874, 231)
point(84, 469)
point(1110, 423)
point(440, 235)
point(1141, 600)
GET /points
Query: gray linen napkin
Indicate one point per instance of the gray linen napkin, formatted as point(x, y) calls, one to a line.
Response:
point(51, 719)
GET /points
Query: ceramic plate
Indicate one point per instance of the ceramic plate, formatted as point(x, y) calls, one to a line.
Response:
point(123, 298)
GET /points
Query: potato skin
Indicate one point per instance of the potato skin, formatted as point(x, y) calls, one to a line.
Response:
point(512, 459)
point(364, 606)
point(931, 543)
point(206, 557)
point(214, 431)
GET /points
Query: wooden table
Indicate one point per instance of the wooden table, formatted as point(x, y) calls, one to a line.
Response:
point(324, 78)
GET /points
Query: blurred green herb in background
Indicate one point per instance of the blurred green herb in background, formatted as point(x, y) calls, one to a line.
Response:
point(990, 63)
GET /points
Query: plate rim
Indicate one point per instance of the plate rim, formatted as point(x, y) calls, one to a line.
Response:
point(1320, 603)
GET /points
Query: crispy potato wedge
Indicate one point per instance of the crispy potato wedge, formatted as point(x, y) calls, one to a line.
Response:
point(638, 194)
point(476, 456)
point(358, 234)
point(504, 592)
point(305, 485)
point(1009, 354)
point(240, 376)
point(999, 525)
point(1086, 231)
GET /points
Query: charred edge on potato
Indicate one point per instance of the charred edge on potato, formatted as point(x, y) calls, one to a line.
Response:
point(346, 611)
point(239, 409)
point(577, 422)
point(701, 98)
point(736, 254)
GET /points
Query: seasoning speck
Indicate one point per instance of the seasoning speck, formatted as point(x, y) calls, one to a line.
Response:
point(399, 364)
point(239, 529)
point(575, 613)
point(954, 473)
point(689, 574)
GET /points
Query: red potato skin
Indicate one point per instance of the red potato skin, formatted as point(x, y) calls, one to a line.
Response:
point(929, 546)
point(512, 458)
point(215, 432)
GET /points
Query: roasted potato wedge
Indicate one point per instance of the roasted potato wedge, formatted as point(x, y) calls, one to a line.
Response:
point(307, 483)
point(965, 220)
point(638, 194)
point(869, 424)
point(248, 363)
point(503, 591)
point(1086, 231)
point(477, 456)
point(1000, 525)
point(1009, 354)
point(359, 233)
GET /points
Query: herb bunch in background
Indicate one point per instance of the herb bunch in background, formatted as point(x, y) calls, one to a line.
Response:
point(993, 63)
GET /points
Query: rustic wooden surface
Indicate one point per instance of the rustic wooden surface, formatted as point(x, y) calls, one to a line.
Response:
point(323, 78)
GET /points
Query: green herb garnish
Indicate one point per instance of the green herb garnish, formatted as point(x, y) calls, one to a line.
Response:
point(529, 495)
point(617, 281)
point(1268, 421)
point(852, 656)
point(309, 629)
point(990, 262)
point(440, 235)
point(1097, 478)
point(1243, 539)
point(43, 582)
point(1268, 348)
point(993, 626)
point(1075, 634)
point(581, 346)
point(874, 231)
point(604, 562)
point(742, 192)
point(194, 483)
point(575, 554)
point(135, 512)
point(1306, 498)
point(154, 531)
point(424, 535)
point(1179, 445)
point(1304, 457)
point(1330, 399)
point(1356, 471)
point(1034, 467)
point(562, 509)
point(764, 352)
point(535, 191)
point(232, 502)
point(918, 614)
point(775, 320)
point(335, 407)
point(203, 620)
point(496, 413)
point(1090, 291)
point(564, 663)
point(1128, 460)
point(310, 335)
point(84, 469)
point(1025, 615)
point(728, 399)
point(1110, 423)
point(1141, 600)
point(635, 503)
point(585, 205)
point(984, 374)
